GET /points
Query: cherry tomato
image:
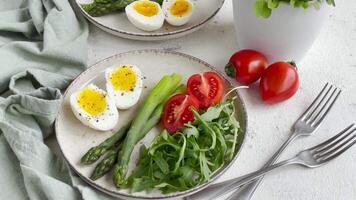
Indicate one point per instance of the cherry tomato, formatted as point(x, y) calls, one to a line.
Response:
point(207, 87)
point(177, 112)
point(279, 82)
point(246, 66)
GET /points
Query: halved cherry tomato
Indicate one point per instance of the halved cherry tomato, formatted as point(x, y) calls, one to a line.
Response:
point(177, 112)
point(207, 87)
point(246, 66)
point(279, 82)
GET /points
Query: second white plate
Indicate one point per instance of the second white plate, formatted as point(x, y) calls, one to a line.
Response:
point(118, 24)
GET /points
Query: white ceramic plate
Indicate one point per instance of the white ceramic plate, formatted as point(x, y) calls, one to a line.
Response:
point(118, 24)
point(75, 139)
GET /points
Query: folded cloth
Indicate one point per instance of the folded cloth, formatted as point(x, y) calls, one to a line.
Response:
point(43, 46)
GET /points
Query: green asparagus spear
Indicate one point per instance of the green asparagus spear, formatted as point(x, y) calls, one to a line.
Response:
point(97, 8)
point(162, 90)
point(96, 152)
point(106, 164)
point(102, 7)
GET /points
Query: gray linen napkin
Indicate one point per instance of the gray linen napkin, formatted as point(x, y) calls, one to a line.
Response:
point(43, 46)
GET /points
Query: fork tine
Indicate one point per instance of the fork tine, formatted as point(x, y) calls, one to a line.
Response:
point(339, 150)
point(337, 146)
point(314, 102)
point(316, 108)
point(328, 147)
point(318, 118)
point(331, 139)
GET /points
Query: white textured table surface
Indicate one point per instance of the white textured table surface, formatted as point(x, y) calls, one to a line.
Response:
point(332, 58)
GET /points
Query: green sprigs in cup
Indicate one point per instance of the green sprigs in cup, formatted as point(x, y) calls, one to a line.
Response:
point(263, 8)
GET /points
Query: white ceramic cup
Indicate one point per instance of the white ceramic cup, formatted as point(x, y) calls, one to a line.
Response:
point(286, 35)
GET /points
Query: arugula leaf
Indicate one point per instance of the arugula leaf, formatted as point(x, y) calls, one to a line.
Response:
point(140, 184)
point(161, 162)
point(212, 113)
point(187, 173)
point(204, 168)
point(190, 131)
point(221, 140)
point(206, 128)
point(181, 154)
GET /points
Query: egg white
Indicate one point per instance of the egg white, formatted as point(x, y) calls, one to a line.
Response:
point(104, 121)
point(176, 20)
point(124, 99)
point(142, 22)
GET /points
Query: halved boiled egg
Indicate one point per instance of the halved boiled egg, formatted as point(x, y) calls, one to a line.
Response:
point(124, 85)
point(177, 12)
point(93, 107)
point(146, 15)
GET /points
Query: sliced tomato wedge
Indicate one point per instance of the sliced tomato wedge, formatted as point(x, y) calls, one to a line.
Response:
point(207, 87)
point(177, 112)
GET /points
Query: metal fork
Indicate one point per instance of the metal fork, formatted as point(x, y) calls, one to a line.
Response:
point(304, 126)
point(311, 158)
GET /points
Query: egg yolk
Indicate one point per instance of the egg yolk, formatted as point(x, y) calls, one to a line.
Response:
point(180, 8)
point(146, 8)
point(91, 101)
point(123, 78)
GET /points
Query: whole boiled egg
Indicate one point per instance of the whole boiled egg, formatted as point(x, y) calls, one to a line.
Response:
point(124, 85)
point(145, 15)
point(93, 107)
point(177, 12)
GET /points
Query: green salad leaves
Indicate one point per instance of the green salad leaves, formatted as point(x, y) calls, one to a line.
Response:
point(188, 158)
point(263, 8)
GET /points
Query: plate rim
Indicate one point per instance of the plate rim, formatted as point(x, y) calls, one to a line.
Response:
point(148, 34)
point(184, 193)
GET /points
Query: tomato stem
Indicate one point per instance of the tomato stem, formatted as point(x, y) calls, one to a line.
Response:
point(230, 70)
point(293, 64)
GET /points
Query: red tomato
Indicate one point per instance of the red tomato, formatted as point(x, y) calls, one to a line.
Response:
point(177, 112)
point(279, 82)
point(246, 66)
point(207, 87)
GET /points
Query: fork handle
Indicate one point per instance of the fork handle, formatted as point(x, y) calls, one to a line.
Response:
point(250, 188)
point(246, 191)
point(250, 177)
